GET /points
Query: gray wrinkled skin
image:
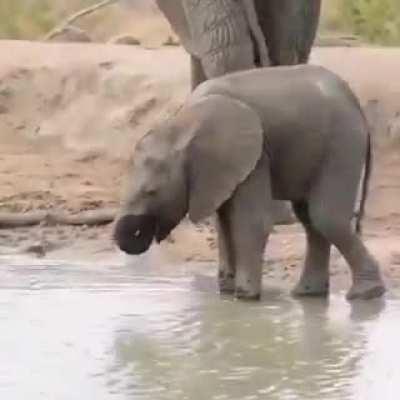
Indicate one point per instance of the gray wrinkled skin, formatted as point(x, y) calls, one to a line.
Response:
point(224, 36)
point(239, 144)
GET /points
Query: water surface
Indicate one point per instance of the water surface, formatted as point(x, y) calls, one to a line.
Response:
point(149, 333)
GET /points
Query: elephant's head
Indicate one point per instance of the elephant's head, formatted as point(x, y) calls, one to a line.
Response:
point(157, 195)
point(190, 164)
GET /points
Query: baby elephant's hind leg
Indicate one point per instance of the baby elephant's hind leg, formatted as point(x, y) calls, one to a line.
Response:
point(226, 270)
point(314, 279)
point(331, 206)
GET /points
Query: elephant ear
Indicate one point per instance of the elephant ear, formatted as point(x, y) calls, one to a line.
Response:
point(225, 148)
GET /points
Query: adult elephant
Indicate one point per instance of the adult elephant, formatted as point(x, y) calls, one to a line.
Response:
point(223, 36)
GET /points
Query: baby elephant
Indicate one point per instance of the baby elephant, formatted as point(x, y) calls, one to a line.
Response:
point(242, 140)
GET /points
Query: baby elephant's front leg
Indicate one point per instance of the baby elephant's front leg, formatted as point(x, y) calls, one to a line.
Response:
point(250, 220)
point(249, 250)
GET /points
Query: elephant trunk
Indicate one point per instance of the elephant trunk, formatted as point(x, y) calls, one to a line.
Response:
point(134, 233)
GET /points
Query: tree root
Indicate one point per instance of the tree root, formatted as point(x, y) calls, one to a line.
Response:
point(97, 217)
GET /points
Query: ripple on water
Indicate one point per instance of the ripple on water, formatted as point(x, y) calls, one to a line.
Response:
point(121, 335)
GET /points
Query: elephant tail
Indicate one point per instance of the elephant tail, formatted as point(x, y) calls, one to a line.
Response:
point(365, 185)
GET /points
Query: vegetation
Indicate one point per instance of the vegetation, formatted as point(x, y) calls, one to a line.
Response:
point(25, 19)
point(30, 19)
point(376, 21)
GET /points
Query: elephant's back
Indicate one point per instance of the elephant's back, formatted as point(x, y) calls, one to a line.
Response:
point(299, 107)
point(274, 89)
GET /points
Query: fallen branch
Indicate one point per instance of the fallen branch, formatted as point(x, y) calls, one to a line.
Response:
point(74, 17)
point(337, 41)
point(97, 217)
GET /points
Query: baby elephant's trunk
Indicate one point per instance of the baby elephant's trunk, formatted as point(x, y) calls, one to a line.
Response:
point(134, 233)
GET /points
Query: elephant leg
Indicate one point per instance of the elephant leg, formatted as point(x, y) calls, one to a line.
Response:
point(249, 213)
point(282, 213)
point(314, 279)
point(289, 28)
point(331, 206)
point(197, 73)
point(226, 271)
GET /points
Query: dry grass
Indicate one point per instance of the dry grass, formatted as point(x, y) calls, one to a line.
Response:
point(376, 21)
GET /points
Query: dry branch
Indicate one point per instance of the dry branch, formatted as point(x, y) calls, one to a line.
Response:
point(74, 17)
point(90, 218)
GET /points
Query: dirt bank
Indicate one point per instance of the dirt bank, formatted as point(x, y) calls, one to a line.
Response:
point(70, 115)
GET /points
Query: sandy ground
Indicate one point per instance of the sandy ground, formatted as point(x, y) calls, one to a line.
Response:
point(71, 113)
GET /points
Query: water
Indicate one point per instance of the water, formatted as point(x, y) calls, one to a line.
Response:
point(143, 333)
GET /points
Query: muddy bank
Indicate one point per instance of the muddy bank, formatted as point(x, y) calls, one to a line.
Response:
point(70, 115)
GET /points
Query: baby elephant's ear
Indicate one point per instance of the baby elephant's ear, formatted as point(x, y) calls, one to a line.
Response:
point(226, 147)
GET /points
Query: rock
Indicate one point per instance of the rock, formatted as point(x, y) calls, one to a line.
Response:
point(72, 34)
point(171, 41)
point(128, 40)
point(39, 249)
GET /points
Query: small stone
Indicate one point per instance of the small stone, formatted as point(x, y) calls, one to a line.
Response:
point(39, 249)
point(171, 41)
point(127, 40)
point(107, 65)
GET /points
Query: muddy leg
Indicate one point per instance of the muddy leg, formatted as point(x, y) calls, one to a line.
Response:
point(226, 271)
point(250, 219)
point(314, 279)
point(331, 207)
point(366, 277)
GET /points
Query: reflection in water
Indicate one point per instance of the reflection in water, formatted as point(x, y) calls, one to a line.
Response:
point(134, 333)
point(217, 349)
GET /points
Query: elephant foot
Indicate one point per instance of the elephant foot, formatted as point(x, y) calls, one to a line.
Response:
point(248, 285)
point(312, 286)
point(226, 282)
point(243, 294)
point(366, 289)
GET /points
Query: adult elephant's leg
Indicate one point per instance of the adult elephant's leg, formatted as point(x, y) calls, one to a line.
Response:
point(289, 27)
point(311, 14)
point(220, 36)
point(314, 279)
point(197, 73)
